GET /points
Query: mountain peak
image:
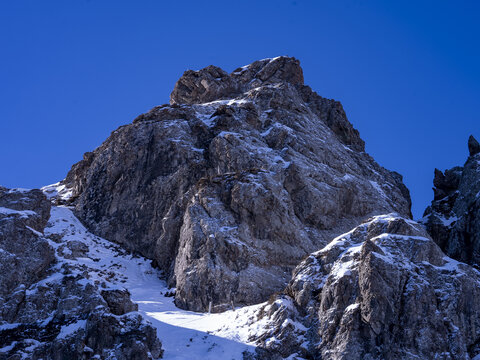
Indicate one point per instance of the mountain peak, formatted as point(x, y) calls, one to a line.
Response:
point(227, 196)
point(212, 83)
point(473, 146)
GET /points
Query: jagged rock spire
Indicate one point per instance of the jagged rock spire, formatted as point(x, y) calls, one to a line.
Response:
point(213, 83)
point(473, 146)
point(453, 218)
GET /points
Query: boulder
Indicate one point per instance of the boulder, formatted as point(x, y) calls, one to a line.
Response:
point(119, 301)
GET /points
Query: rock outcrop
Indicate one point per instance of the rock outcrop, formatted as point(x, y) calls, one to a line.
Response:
point(24, 255)
point(49, 309)
point(233, 183)
point(473, 146)
point(453, 219)
point(384, 290)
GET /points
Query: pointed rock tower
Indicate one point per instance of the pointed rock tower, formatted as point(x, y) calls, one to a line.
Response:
point(453, 219)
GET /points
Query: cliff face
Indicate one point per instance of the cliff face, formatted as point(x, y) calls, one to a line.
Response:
point(384, 290)
point(233, 183)
point(453, 219)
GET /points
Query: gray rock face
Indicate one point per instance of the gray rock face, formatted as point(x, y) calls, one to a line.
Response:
point(49, 309)
point(24, 255)
point(213, 83)
point(384, 290)
point(233, 183)
point(119, 301)
point(453, 219)
point(473, 146)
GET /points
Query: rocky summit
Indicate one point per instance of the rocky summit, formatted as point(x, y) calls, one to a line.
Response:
point(453, 219)
point(243, 220)
point(229, 186)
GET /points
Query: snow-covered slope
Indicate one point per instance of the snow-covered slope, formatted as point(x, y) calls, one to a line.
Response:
point(184, 334)
point(51, 305)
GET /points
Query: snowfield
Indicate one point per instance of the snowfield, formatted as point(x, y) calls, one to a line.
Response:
point(184, 334)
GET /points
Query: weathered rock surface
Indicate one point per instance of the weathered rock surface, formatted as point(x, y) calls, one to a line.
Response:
point(453, 219)
point(233, 183)
point(119, 301)
point(49, 309)
point(213, 83)
point(24, 255)
point(384, 290)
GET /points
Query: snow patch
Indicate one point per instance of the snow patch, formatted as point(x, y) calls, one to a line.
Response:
point(8, 348)
point(449, 221)
point(341, 269)
point(21, 213)
point(72, 328)
point(351, 307)
point(58, 191)
point(20, 190)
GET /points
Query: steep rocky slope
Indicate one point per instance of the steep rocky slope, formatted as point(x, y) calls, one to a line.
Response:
point(50, 309)
point(453, 219)
point(233, 183)
point(384, 290)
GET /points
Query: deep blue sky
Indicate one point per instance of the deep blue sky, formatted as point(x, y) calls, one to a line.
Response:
point(407, 72)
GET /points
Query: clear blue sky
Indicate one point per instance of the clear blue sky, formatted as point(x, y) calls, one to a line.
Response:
point(407, 72)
